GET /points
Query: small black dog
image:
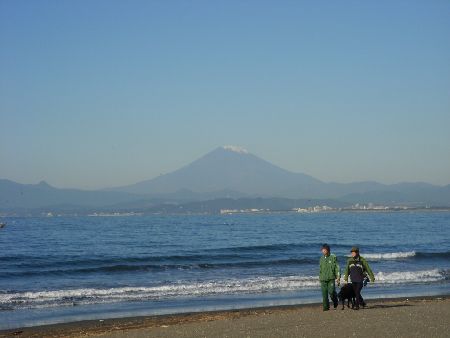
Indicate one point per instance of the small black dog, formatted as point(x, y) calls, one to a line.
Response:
point(347, 293)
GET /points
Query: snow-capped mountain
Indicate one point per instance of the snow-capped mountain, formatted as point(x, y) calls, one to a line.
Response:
point(234, 169)
point(226, 172)
point(228, 168)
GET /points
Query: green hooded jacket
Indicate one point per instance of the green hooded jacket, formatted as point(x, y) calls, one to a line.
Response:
point(329, 268)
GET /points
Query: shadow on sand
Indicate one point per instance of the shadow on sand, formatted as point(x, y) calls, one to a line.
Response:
point(386, 306)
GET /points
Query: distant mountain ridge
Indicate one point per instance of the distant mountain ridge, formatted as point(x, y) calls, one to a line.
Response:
point(29, 196)
point(234, 168)
point(228, 172)
point(225, 168)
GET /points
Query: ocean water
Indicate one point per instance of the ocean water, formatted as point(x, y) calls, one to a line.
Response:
point(64, 269)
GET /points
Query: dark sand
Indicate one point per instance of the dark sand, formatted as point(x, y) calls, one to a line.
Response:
point(416, 317)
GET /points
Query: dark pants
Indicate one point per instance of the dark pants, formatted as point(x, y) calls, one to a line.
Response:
point(357, 286)
point(361, 299)
point(328, 288)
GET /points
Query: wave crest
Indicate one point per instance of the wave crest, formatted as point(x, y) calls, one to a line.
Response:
point(424, 276)
point(265, 284)
point(389, 255)
point(208, 288)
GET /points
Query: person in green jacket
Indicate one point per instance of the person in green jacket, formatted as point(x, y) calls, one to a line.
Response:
point(329, 272)
point(358, 268)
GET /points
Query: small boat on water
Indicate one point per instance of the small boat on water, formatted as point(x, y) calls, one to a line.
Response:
point(2, 225)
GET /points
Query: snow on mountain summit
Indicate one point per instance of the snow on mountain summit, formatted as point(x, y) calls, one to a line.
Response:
point(235, 149)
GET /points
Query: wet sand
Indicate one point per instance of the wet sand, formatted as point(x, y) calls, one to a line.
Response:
point(414, 317)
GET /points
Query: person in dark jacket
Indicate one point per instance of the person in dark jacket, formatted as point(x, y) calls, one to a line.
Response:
point(328, 272)
point(358, 268)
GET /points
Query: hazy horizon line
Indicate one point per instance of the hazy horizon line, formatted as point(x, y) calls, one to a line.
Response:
point(233, 148)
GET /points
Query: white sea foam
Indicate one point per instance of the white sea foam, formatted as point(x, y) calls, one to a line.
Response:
point(389, 255)
point(424, 276)
point(88, 295)
point(190, 289)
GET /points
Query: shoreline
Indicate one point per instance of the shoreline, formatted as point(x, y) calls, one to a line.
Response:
point(118, 326)
point(143, 214)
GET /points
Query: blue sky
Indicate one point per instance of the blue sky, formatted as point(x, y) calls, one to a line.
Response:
point(105, 93)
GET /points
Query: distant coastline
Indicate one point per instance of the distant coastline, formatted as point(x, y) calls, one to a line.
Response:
point(183, 210)
point(226, 178)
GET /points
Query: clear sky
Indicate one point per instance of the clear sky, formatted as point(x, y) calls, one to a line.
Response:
point(106, 93)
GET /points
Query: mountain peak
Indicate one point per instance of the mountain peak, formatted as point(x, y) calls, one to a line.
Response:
point(230, 168)
point(44, 184)
point(235, 149)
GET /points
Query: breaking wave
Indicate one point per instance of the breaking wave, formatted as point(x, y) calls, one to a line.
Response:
point(401, 277)
point(389, 255)
point(37, 299)
point(208, 288)
point(406, 255)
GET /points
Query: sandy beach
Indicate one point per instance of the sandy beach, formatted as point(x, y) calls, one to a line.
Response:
point(414, 317)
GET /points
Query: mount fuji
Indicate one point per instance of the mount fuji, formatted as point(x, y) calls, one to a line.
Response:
point(233, 171)
point(226, 172)
point(228, 169)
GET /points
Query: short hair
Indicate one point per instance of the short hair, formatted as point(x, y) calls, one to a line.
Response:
point(326, 246)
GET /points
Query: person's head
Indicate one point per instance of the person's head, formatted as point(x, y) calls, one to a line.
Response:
point(355, 251)
point(325, 249)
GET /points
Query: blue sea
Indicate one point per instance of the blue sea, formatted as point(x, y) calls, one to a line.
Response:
point(65, 269)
